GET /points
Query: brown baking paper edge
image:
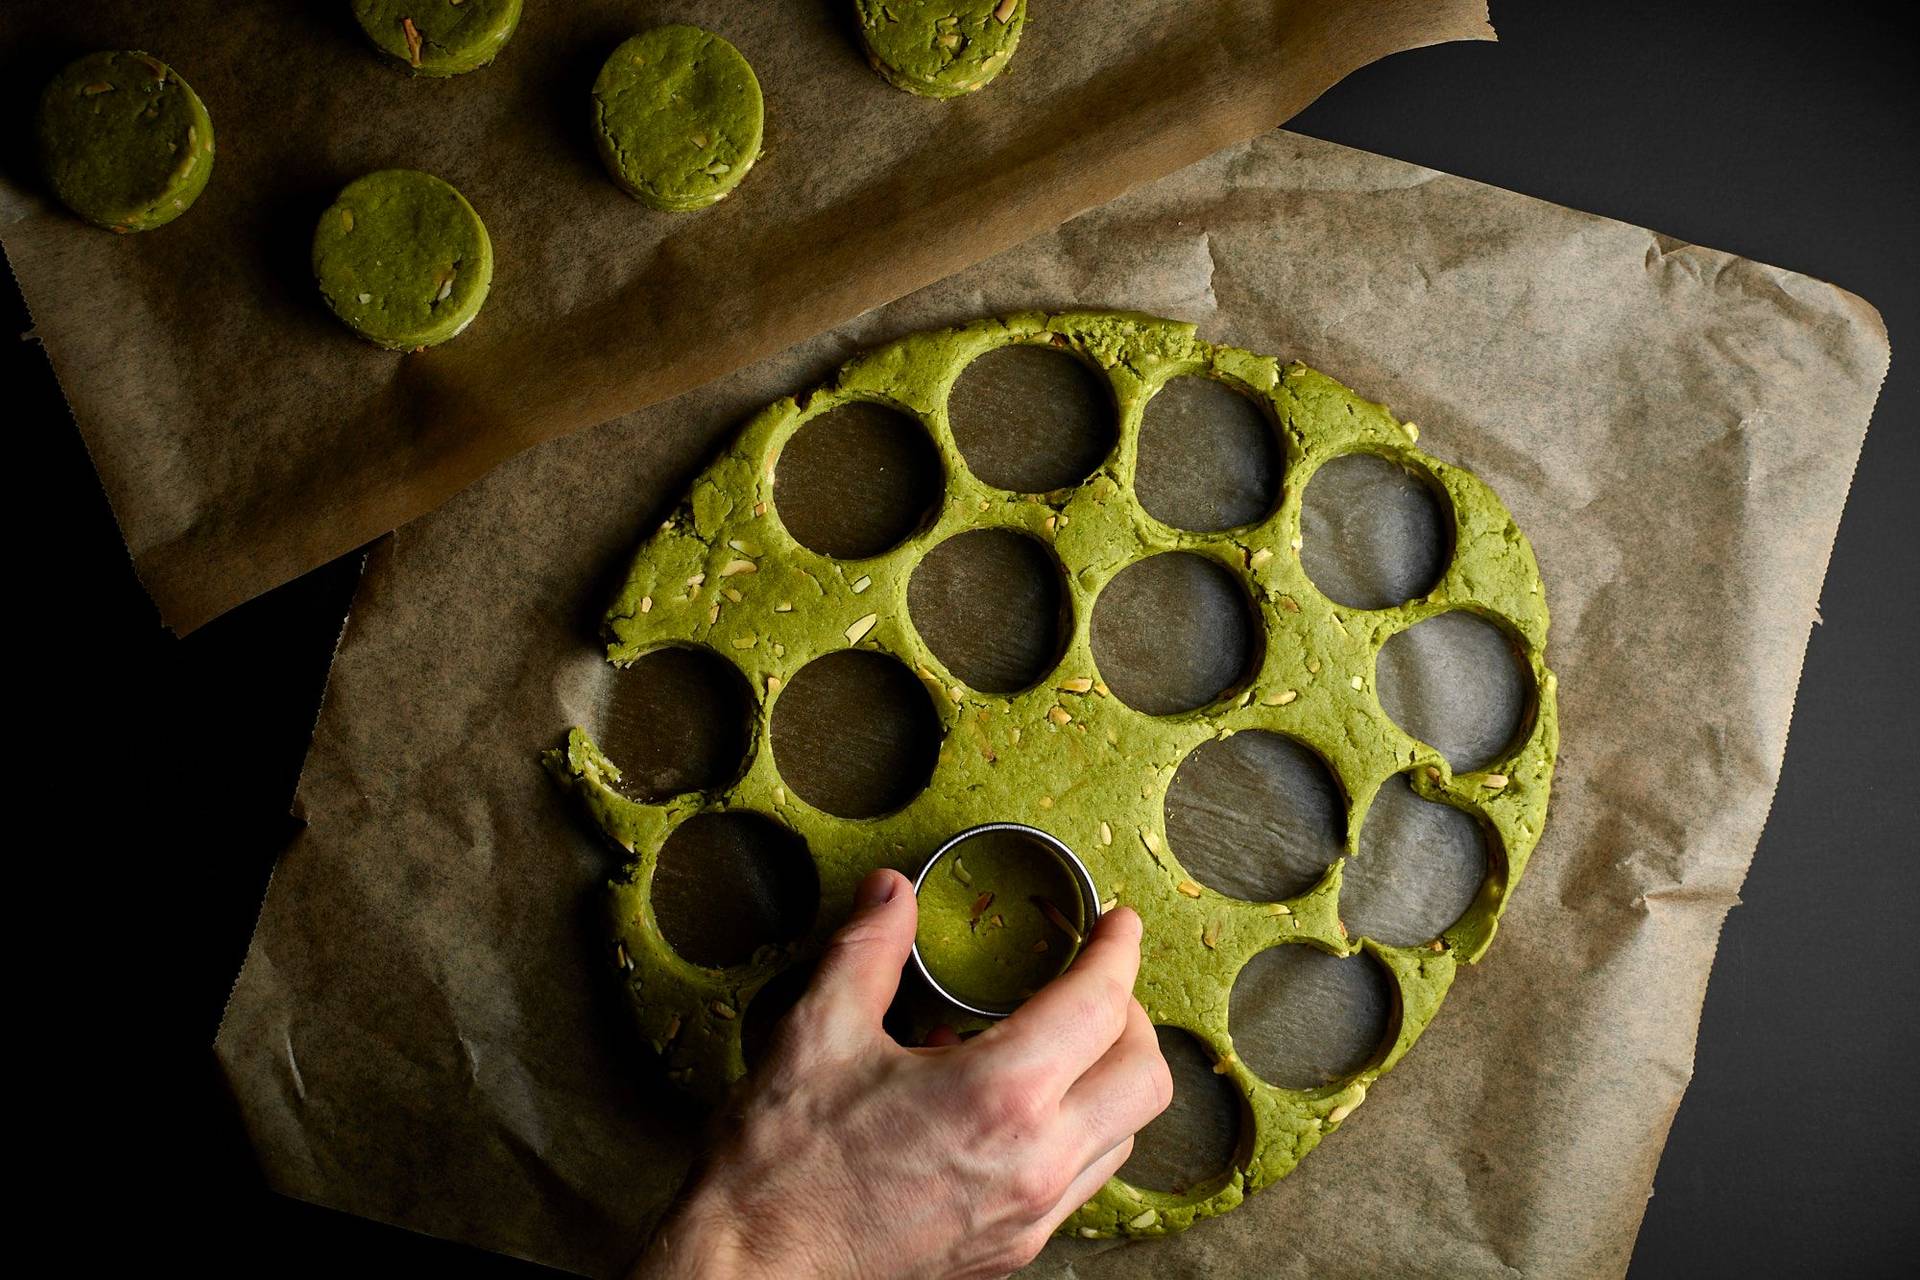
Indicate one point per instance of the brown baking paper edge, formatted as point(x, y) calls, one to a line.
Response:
point(243, 437)
point(426, 1030)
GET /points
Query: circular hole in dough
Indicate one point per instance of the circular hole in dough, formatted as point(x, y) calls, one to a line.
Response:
point(1457, 683)
point(1173, 632)
point(1209, 457)
point(1373, 533)
point(678, 719)
point(1194, 1141)
point(992, 606)
point(767, 1007)
point(1421, 865)
point(1303, 1019)
point(855, 734)
point(727, 884)
point(857, 481)
point(1255, 815)
point(1032, 419)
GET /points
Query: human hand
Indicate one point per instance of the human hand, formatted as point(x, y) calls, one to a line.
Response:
point(847, 1155)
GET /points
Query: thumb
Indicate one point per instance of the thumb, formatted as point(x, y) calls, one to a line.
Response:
point(860, 972)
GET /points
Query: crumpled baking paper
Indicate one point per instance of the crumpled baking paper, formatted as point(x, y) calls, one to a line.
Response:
point(426, 1030)
point(244, 437)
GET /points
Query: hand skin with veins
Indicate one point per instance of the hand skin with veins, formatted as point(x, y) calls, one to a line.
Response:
point(848, 1157)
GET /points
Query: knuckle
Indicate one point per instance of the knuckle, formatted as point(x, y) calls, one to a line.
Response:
point(1014, 1103)
point(1160, 1082)
point(1104, 1003)
point(799, 1030)
point(858, 936)
point(1036, 1188)
point(1103, 1008)
point(795, 1052)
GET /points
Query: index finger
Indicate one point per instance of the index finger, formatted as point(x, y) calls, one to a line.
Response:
point(1066, 1026)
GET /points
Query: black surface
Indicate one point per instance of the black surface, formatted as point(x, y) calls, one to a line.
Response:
point(1788, 133)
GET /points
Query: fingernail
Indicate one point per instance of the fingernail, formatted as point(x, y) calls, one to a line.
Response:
point(877, 888)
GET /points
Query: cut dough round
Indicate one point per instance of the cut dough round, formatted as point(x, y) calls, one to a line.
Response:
point(124, 142)
point(1000, 917)
point(439, 37)
point(678, 116)
point(402, 259)
point(940, 48)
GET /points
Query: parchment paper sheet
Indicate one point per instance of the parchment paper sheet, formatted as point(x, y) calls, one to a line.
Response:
point(425, 1031)
point(244, 437)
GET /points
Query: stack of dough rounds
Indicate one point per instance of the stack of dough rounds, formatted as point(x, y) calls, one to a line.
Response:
point(940, 48)
point(439, 37)
point(678, 116)
point(402, 259)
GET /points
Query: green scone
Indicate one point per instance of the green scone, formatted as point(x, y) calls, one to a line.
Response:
point(439, 37)
point(677, 115)
point(402, 259)
point(940, 48)
point(124, 142)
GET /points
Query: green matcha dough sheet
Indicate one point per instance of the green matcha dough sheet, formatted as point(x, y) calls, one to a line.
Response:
point(940, 48)
point(402, 259)
point(1065, 754)
point(677, 115)
point(439, 37)
point(124, 141)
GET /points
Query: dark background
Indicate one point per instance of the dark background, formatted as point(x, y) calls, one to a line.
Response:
point(158, 772)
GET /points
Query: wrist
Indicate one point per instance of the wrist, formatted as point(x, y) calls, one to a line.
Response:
point(702, 1240)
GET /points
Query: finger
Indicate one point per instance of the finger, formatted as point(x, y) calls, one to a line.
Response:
point(1129, 1086)
point(1091, 1179)
point(1067, 1025)
point(860, 972)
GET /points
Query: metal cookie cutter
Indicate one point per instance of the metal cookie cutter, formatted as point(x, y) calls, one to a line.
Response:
point(1045, 845)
